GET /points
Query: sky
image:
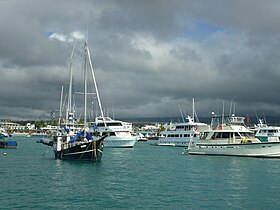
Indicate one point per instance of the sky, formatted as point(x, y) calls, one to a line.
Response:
point(151, 57)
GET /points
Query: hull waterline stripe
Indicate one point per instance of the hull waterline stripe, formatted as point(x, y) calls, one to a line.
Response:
point(74, 153)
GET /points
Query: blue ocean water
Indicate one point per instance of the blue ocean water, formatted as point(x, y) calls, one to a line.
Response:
point(143, 177)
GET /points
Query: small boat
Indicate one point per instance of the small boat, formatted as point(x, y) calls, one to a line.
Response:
point(231, 138)
point(8, 144)
point(3, 134)
point(141, 137)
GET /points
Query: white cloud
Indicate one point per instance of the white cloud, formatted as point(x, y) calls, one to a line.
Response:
point(59, 37)
point(70, 37)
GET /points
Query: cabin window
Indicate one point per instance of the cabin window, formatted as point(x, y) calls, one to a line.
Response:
point(226, 135)
point(203, 135)
point(110, 133)
point(237, 136)
point(247, 134)
point(219, 135)
point(109, 124)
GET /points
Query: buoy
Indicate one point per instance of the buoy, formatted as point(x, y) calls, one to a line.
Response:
point(5, 153)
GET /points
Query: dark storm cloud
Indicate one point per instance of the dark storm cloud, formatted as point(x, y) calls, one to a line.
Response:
point(149, 56)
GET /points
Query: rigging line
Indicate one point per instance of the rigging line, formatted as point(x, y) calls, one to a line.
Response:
point(85, 150)
point(95, 154)
point(60, 107)
point(93, 150)
point(95, 84)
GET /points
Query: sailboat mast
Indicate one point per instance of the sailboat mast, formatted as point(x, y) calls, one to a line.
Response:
point(69, 105)
point(94, 80)
point(85, 88)
point(223, 114)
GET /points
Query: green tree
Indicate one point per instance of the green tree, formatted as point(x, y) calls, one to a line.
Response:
point(39, 124)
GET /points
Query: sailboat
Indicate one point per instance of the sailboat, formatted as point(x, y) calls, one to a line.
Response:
point(72, 142)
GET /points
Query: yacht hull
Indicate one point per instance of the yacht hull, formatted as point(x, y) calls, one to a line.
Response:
point(175, 142)
point(262, 150)
point(120, 141)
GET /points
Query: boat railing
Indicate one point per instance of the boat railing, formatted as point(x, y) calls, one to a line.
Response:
point(71, 144)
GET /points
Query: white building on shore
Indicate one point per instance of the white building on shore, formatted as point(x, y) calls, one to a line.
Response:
point(8, 125)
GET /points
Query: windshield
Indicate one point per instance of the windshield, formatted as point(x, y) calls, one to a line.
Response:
point(246, 134)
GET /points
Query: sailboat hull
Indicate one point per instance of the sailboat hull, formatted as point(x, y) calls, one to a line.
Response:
point(88, 151)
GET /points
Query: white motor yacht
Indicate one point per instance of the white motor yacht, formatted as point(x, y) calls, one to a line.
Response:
point(119, 132)
point(179, 134)
point(230, 137)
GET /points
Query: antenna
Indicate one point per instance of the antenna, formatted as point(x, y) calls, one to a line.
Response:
point(230, 108)
point(181, 114)
point(264, 118)
point(193, 108)
point(113, 110)
point(257, 116)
